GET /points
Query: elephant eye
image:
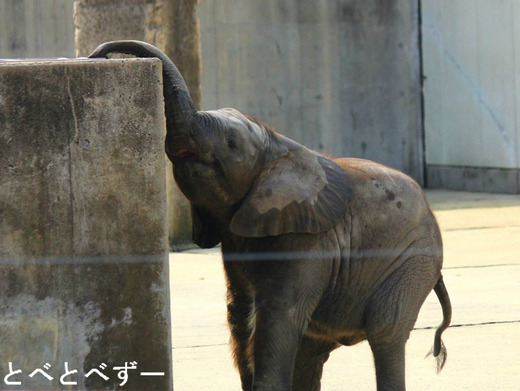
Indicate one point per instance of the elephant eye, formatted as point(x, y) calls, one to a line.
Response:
point(232, 143)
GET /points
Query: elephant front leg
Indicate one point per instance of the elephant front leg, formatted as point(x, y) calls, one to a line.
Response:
point(276, 338)
point(308, 367)
point(240, 310)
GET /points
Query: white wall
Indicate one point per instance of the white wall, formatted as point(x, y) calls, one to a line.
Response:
point(471, 61)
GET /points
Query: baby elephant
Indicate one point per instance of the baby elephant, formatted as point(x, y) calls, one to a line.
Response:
point(318, 252)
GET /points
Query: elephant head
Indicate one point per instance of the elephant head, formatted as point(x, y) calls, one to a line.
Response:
point(236, 171)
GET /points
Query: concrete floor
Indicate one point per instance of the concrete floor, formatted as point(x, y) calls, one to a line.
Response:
point(481, 233)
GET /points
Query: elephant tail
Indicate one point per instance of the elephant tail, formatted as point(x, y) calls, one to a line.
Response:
point(439, 350)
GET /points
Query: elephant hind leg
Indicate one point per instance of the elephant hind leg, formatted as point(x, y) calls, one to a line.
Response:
point(388, 348)
point(390, 317)
point(308, 367)
point(389, 361)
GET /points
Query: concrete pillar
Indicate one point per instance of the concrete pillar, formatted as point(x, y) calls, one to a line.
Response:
point(83, 235)
point(172, 26)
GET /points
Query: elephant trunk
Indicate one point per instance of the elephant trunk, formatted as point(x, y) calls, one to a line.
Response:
point(179, 108)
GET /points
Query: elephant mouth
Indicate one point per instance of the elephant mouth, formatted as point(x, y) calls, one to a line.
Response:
point(180, 153)
point(184, 153)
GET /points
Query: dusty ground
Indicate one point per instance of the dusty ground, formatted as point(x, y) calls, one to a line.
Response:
point(481, 234)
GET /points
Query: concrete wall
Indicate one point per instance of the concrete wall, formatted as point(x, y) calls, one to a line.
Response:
point(471, 50)
point(36, 28)
point(274, 50)
point(83, 233)
point(340, 76)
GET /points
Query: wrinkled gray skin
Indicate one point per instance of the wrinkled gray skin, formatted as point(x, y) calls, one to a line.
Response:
point(318, 252)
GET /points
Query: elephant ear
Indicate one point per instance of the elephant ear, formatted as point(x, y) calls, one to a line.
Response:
point(301, 192)
point(204, 233)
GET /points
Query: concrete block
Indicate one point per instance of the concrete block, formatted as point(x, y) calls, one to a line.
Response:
point(172, 26)
point(83, 230)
